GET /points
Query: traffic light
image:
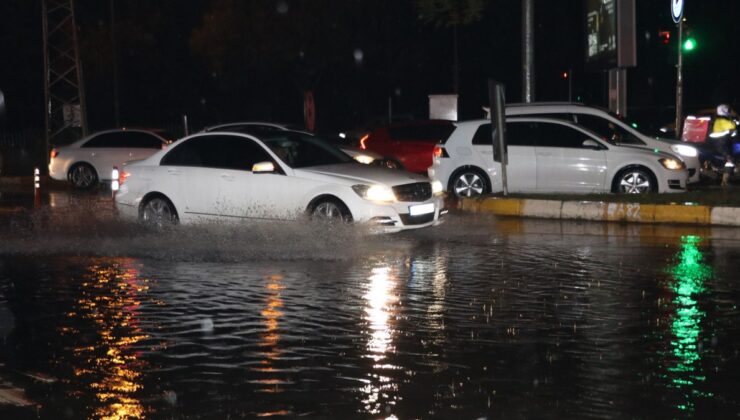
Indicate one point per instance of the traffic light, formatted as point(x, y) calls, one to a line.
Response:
point(665, 37)
point(689, 44)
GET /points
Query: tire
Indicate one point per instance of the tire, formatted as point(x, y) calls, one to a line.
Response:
point(636, 180)
point(330, 210)
point(158, 213)
point(83, 176)
point(468, 182)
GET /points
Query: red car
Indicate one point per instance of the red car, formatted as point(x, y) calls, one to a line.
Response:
point(411, 143)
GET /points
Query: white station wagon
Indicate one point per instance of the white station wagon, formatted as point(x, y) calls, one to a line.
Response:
point(549, 155)
point(280, 176)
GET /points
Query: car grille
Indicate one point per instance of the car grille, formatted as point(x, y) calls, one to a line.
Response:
point(418, 191)
point(409, 220)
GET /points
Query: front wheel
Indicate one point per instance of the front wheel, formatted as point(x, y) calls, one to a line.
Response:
point(331, 210)
point(468, 183)
point(635, 181)
point(158, 213)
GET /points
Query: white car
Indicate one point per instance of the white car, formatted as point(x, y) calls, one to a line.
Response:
point(611, 127)
point(90, 160)
point(259, 128)
point(549, 155)
point(282, 176)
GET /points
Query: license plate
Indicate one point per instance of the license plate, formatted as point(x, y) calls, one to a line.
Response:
point(421, 209)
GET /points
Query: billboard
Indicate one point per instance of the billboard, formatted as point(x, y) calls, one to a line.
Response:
point(610, 34)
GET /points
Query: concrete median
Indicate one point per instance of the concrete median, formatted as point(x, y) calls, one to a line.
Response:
point(604, 211)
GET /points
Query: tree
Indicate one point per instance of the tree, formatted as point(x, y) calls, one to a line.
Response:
point(451, 13)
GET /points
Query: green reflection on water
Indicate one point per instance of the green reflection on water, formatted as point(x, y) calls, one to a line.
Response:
point(689, 276)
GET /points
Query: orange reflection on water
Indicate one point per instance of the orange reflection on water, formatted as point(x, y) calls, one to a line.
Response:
point(110, 300)
point(270, 338)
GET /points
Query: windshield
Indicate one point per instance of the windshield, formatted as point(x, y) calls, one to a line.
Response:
point(302, 151)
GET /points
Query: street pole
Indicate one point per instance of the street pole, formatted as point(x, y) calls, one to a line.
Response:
point(679, 82)
point(528, 94)
point(116, 105)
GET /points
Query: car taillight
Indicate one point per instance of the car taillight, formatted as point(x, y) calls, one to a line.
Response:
point(122, 177)
point(54, 153)
point(440, 151)
point(364, 138)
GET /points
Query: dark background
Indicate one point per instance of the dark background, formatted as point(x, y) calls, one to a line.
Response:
point(224, 60)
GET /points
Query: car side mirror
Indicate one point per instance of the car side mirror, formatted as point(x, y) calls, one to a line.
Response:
point(591, 144)
point(266, 167)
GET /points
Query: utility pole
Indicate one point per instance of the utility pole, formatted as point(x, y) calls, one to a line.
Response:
point(63, 90)
point(679, 82)
point(528, 92)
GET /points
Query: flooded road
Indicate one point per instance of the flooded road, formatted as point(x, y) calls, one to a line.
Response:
point(478, 318)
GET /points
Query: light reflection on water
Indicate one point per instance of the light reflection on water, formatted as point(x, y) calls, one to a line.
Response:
point(110, 295)
point(688, 285)
point(478, 318)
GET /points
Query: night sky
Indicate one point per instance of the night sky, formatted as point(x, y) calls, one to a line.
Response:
point(225, 60)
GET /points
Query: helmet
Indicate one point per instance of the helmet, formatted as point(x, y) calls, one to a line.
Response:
point(723, 110)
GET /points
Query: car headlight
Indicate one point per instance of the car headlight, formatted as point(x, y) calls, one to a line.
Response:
point(437, 188)
point(672, 164)
point(685, 150)
point(375, 193)
point(364, 159)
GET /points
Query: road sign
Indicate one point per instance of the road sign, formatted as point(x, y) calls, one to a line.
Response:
point(677, 10)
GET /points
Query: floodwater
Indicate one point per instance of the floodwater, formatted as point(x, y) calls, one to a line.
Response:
point(477, 318)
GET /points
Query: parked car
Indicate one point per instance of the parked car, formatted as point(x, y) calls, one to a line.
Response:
point(549, 155)
point(90, 160)
point(262, 128)
point(283, 175)
point(611, 127)
point(410, 144)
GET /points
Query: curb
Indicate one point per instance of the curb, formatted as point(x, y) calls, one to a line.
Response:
point(604, 212)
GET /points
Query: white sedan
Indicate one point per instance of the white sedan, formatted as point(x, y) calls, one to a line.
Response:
point(549, 155)
point(283, 175)
point(91, 159)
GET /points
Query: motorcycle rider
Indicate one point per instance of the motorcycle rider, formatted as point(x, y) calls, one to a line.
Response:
point(723, 129)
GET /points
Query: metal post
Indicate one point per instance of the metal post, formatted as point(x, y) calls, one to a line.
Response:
point(679, 82)
point(528, 93)
point(116, 104)
point(496, 97)
point(570, 85)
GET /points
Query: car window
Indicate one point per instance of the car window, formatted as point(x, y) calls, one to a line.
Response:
point(521, 133)
point(130, 139)
point(610, 131)
point(558, 135)
point(431, 132)
point(217, 151)
point(302, 151)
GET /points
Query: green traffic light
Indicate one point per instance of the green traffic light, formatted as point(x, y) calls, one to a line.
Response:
point(689, 44)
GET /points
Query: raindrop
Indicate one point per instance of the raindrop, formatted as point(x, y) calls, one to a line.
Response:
point(282, 7)
point(359, 56)
point(206, 325)
point(170, 397)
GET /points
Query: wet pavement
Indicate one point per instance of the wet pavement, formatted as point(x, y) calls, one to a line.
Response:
point(477, 318)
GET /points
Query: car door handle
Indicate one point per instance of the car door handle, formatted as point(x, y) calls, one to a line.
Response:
point(173, 172)
point(544, 154)
point(229, 178)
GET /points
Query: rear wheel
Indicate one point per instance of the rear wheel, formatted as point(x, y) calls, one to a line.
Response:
point(331, 210)
point(635, 181)
point(83, 176)
point(468, 182)
point(158, 212)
